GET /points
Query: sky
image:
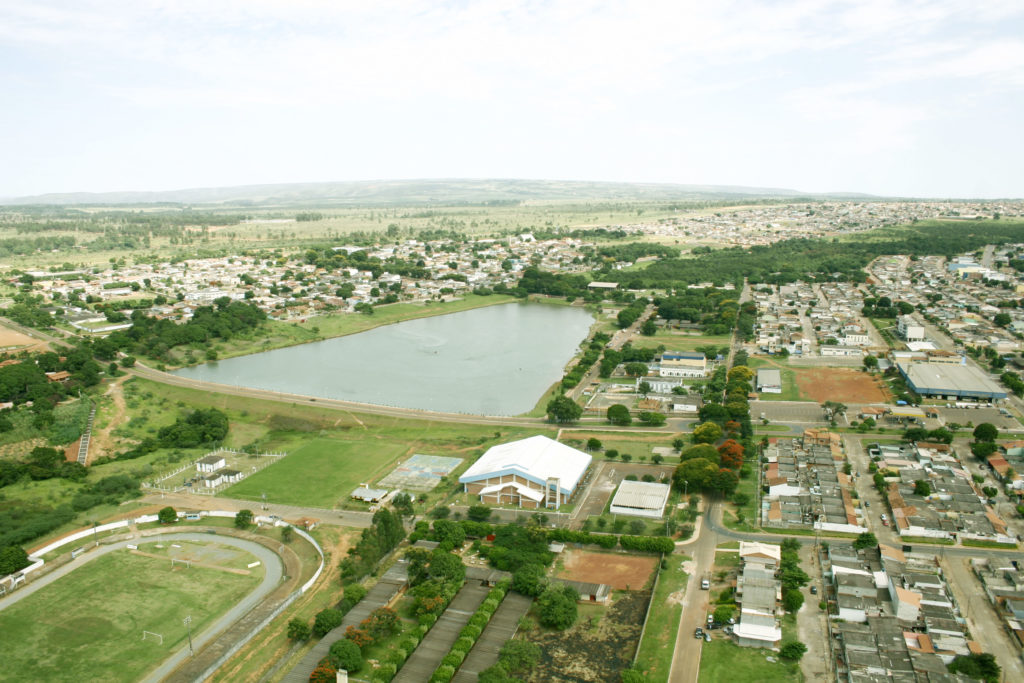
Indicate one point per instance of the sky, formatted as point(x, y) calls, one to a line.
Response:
point(890, 97)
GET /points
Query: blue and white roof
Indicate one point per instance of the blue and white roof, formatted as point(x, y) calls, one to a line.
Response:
point(535, 459)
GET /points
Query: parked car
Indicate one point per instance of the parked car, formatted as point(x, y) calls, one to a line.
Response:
point(705, 585)
point(867, 503)
point(707, 637)
point(699, 633)
point(814, 590)
point(711, 619)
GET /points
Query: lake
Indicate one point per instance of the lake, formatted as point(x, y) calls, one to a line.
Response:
point(497, 360)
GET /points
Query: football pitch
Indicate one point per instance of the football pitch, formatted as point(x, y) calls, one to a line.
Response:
point(87, 626)
point(320, 472)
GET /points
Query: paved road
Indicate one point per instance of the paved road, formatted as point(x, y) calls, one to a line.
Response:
point(272, 577)
point(618, 340)
point(686, 657)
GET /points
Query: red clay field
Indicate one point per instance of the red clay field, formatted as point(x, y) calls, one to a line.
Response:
point(618, 571)
point(844, 385)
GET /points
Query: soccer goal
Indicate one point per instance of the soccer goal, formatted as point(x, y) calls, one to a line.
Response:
point(149, 635)
point(186, 563)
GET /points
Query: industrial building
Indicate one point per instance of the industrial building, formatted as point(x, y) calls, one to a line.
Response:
point(640, 499)
point(769, 381)
point(950, 381)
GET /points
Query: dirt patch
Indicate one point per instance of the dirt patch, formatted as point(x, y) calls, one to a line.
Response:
point(10, 339)
point(102, 440)
point(597, 648)
point(621, 572)
point(844, 385)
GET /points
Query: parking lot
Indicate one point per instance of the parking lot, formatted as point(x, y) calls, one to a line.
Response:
point(787, 411)
point(977, 416)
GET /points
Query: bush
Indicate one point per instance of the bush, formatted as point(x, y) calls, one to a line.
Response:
point(471, 631)
point(326, 621)
point(299, 629)
point(443, 674)
point(650, 544)
point(453, 659)
point(793, 650)
point(557, 606)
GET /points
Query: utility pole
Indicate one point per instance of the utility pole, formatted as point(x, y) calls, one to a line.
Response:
point(188, 625)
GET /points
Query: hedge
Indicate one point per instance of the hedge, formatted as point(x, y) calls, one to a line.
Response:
point(606, 541)
point(469, 634)
point(650, 544)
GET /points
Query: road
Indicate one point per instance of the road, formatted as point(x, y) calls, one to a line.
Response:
point(686, 656)
point(191, 501)
point(618, 340)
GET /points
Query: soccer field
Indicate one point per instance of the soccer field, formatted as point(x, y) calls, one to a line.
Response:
point(320, 472)
point(87, 626)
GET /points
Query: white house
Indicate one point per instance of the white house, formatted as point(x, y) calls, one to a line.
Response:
point(210, 463)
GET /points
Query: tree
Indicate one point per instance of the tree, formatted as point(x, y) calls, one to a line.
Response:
point(865, 540)
point(325, 672)
point(128, 362)
point(707, 432)
point(530, 579)
point(834, 407)
point(557, 606)
point(402, 502)
point(167, 515)
point(792, 600)
point(694, 475)
point(701, 450)
point(478, 513)
point(983, 449)
point(657, 458)
point(243, 519)
point(870, 362)
point(1002, 319)
point(618, 414)
point(519, 655)
point(922, 488)
point(653, 419)
point(286, 533)
point(724, 481)
point(563, 409)
point(636, 369)
point(12, 558)
point(346, 655)
point(644, 388)
point(326, 621)
point(299, 629)
point(731, 452)
point(986, 432)
point(723, 613)
point(982, 665)
point(648, 329)
point(593, 444)
point(793, 650)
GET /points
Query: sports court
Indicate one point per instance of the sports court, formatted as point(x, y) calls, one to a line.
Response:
point(420, 472)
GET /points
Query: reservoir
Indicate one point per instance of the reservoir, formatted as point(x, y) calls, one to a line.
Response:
point(497, 360)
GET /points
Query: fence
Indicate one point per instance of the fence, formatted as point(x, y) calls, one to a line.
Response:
point(210, 490)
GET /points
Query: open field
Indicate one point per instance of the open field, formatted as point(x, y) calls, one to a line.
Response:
point(621, 572)
point(320, 473)
point(674, 340)
point(597, 647)
point(657, 647)
point(723, 660)
point(88, 625)
point(11, 340)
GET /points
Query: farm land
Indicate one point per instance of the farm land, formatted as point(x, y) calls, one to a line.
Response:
point(92, 610)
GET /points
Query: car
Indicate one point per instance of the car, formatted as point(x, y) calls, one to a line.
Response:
point(707, 637)
point(867, 503)
point(814, 590)
point(885, 522)
point(711, 619)
point(699, 633)
point(705, 585)
point(728, 630)
point(731, 621)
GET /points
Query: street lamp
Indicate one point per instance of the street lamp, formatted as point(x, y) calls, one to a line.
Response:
point(188, 625)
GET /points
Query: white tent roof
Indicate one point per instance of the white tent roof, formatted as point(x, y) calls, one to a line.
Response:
point(521, 489)
point(537, 458)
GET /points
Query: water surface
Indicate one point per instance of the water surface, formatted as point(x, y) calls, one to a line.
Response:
point(497, 360)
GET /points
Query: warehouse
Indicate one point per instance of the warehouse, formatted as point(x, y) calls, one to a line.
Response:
point(950, 381)
point(640, 499)
point(769, 381)
point(532, 473)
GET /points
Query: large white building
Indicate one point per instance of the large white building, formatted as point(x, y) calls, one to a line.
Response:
point(909, 329)
point(532, 473)
point(640, 499)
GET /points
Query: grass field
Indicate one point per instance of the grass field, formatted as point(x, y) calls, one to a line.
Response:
point(681, 341)
point(320, 473)
point(88, 625)
point(790, 389)
point(722, 660)
point(655, 655)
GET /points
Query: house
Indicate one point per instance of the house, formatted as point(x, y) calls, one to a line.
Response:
point(909, 329)
point(589, 592)
point(532, 473)
point(231, 476)
point(210, 463)
point(764, 554)
point(212, 481)
point(368, 495)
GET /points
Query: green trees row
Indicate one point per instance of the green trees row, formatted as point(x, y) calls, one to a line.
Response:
point(384, 534)
point(451, 662)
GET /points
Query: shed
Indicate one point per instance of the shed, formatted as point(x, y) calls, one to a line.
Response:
point(640, 499)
